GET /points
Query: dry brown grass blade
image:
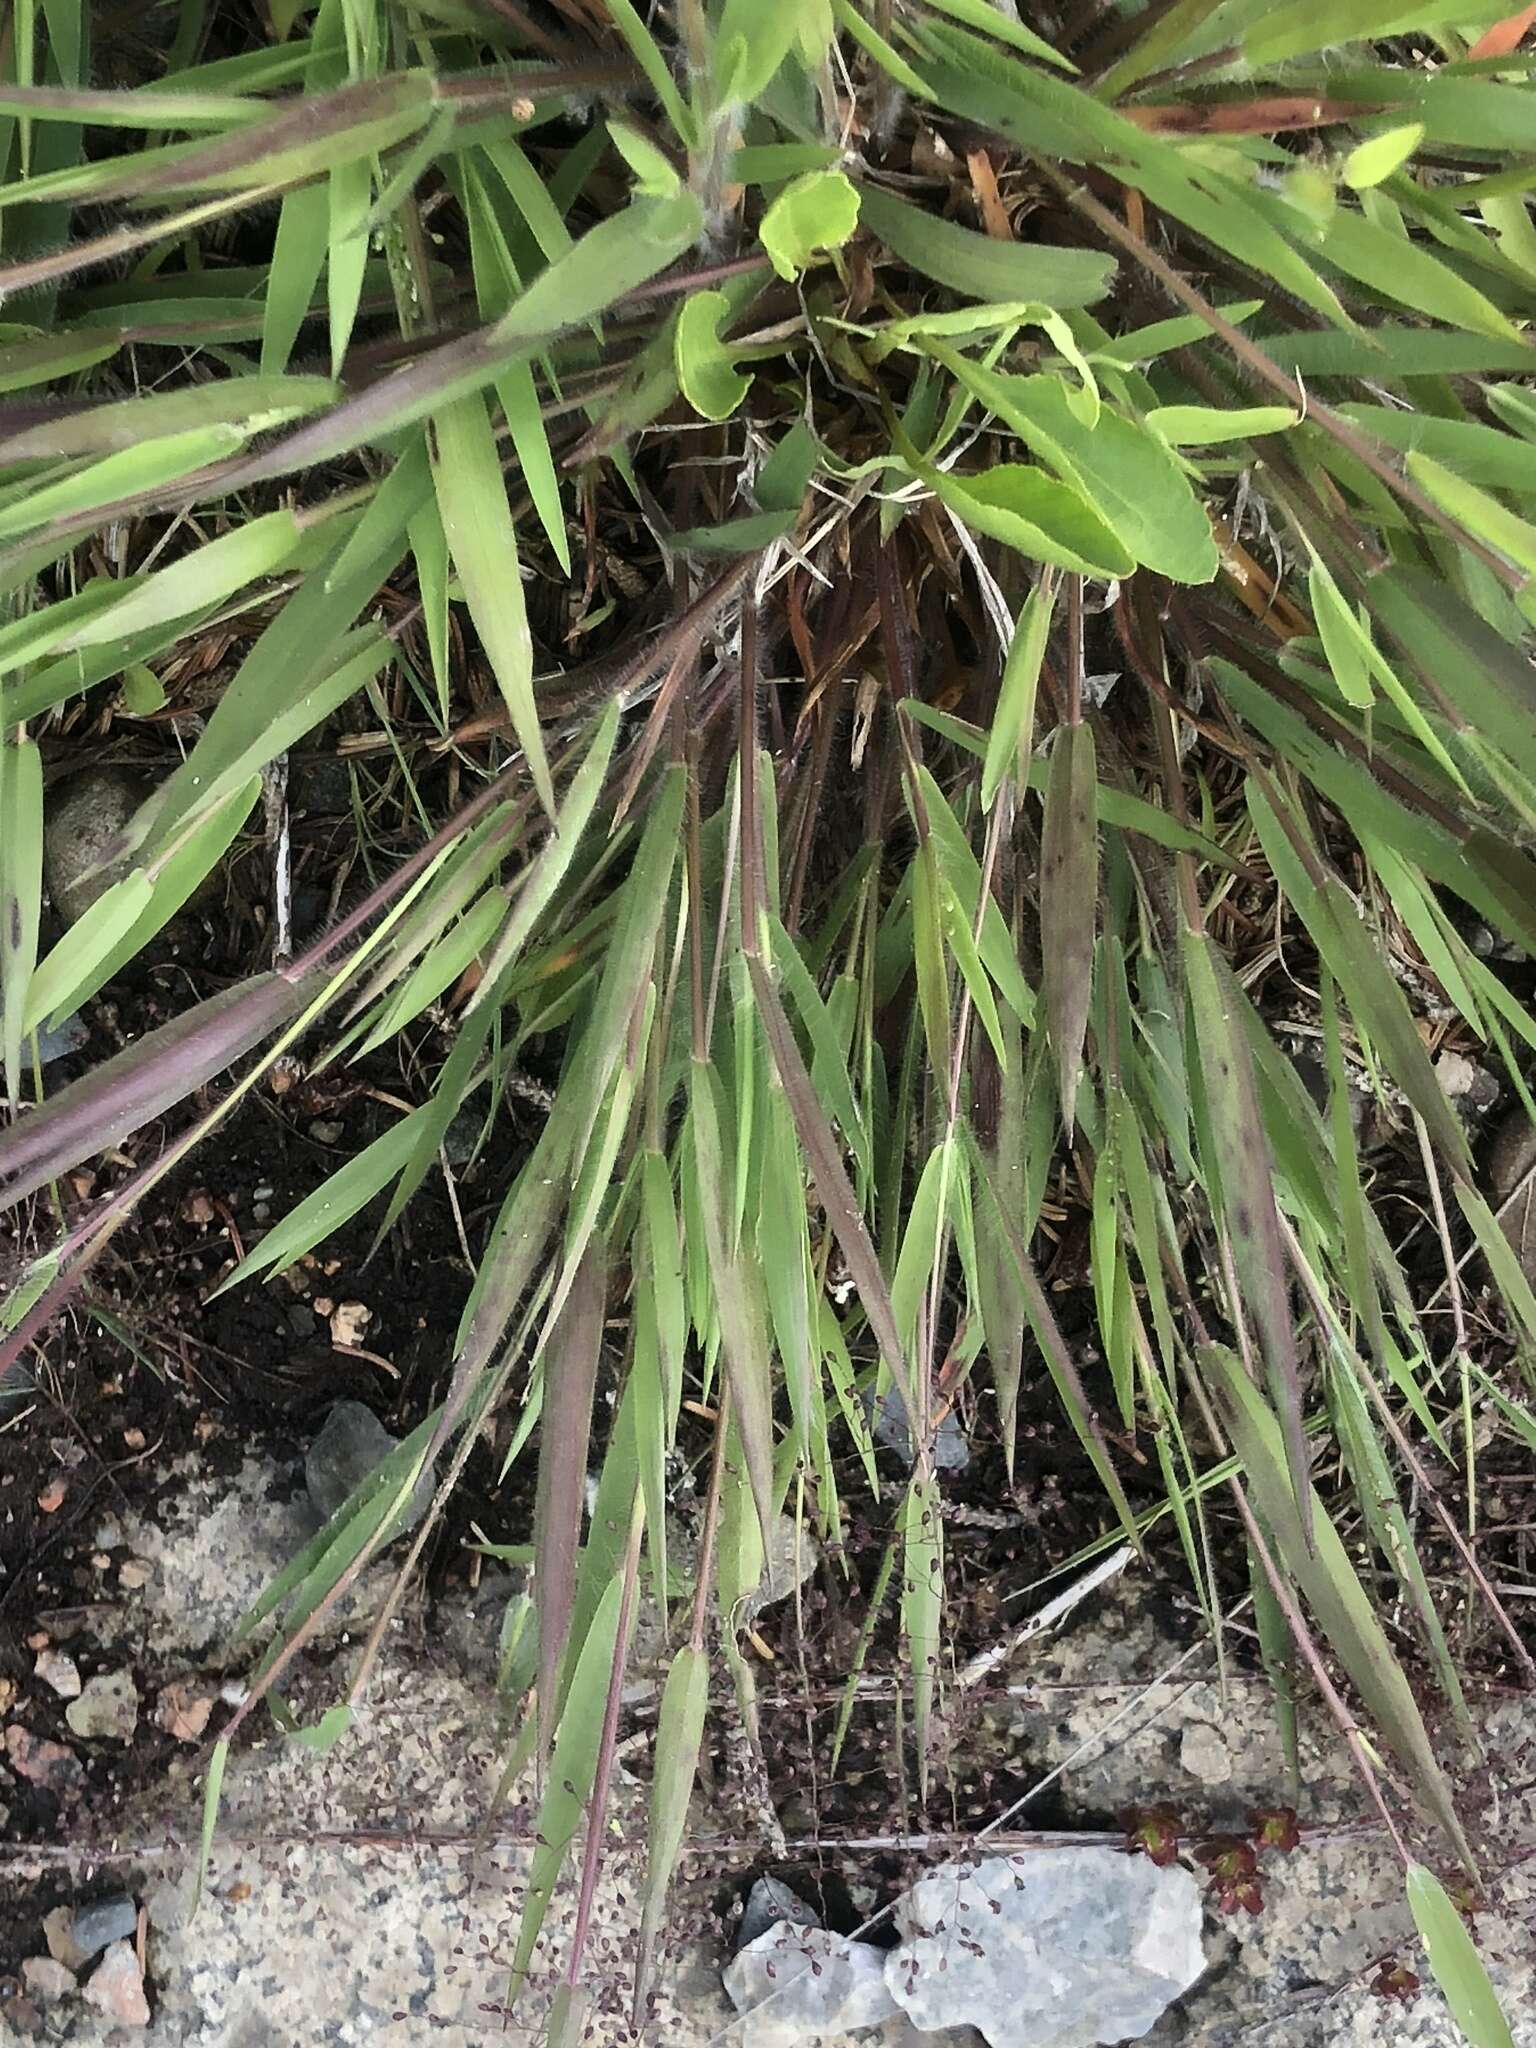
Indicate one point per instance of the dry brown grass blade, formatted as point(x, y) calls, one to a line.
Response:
point(571, 1354)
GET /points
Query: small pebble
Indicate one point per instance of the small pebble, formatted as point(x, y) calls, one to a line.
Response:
point(325, 1131)
point(59, 1933)
point(60, 1673)
point(48, 1764)
point(107, 1709)
point(47, 1978)
point(134, 1574)
point(117, 1987)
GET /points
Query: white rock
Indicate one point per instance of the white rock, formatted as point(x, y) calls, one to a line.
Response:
point(1204, 1752)
point(46, 1979)
point(1056, 1948)
point(58, 1672)
point(799, 1983)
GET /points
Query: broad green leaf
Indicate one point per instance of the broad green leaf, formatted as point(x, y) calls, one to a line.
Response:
point(1375, 159)
point(119, 475)
point(1034, 514)
point(438, 969)
point(1124, 473)
point(654, 175)
point(305, 662)
point(991, 19)
point(815, 213)
point(1351, 655)
point(1294, 28)
point(64, 973)
point(711, 385)
point(679, 1737)
point(205, 576)
point(1011, 739)
point(297, 256)
point(41, 358)
point(255, 403)
point(962, 873)
point(477, 518)
point(752, 41)
point(1458, 1968)
point(922, 1239)
point(1206, 426)
point(1477, 510)
point(332, 1205)
point(1402, 270)
point(1034, 273)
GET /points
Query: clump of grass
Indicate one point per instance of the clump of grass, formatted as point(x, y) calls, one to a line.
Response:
point(1085, 488)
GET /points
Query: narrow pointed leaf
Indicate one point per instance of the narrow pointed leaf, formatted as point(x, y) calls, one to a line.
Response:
point(1246, 1170)
point(1069, 892)
point(571, 1354)
point(1319, 1563)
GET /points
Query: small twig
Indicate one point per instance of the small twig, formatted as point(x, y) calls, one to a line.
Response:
point(1044, 1619)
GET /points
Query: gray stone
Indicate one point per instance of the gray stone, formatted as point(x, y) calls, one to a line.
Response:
point(793, 1556)
point(1055, 1948)
point(888, 1423)
point(352, 1443)
point(769, 1902)
point(107, 1709)
point(214, 1544)
point(795, 1984)
point(100, 1922)
point(83, 823)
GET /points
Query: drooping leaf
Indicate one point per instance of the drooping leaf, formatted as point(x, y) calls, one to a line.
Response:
point(1317, 1560)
